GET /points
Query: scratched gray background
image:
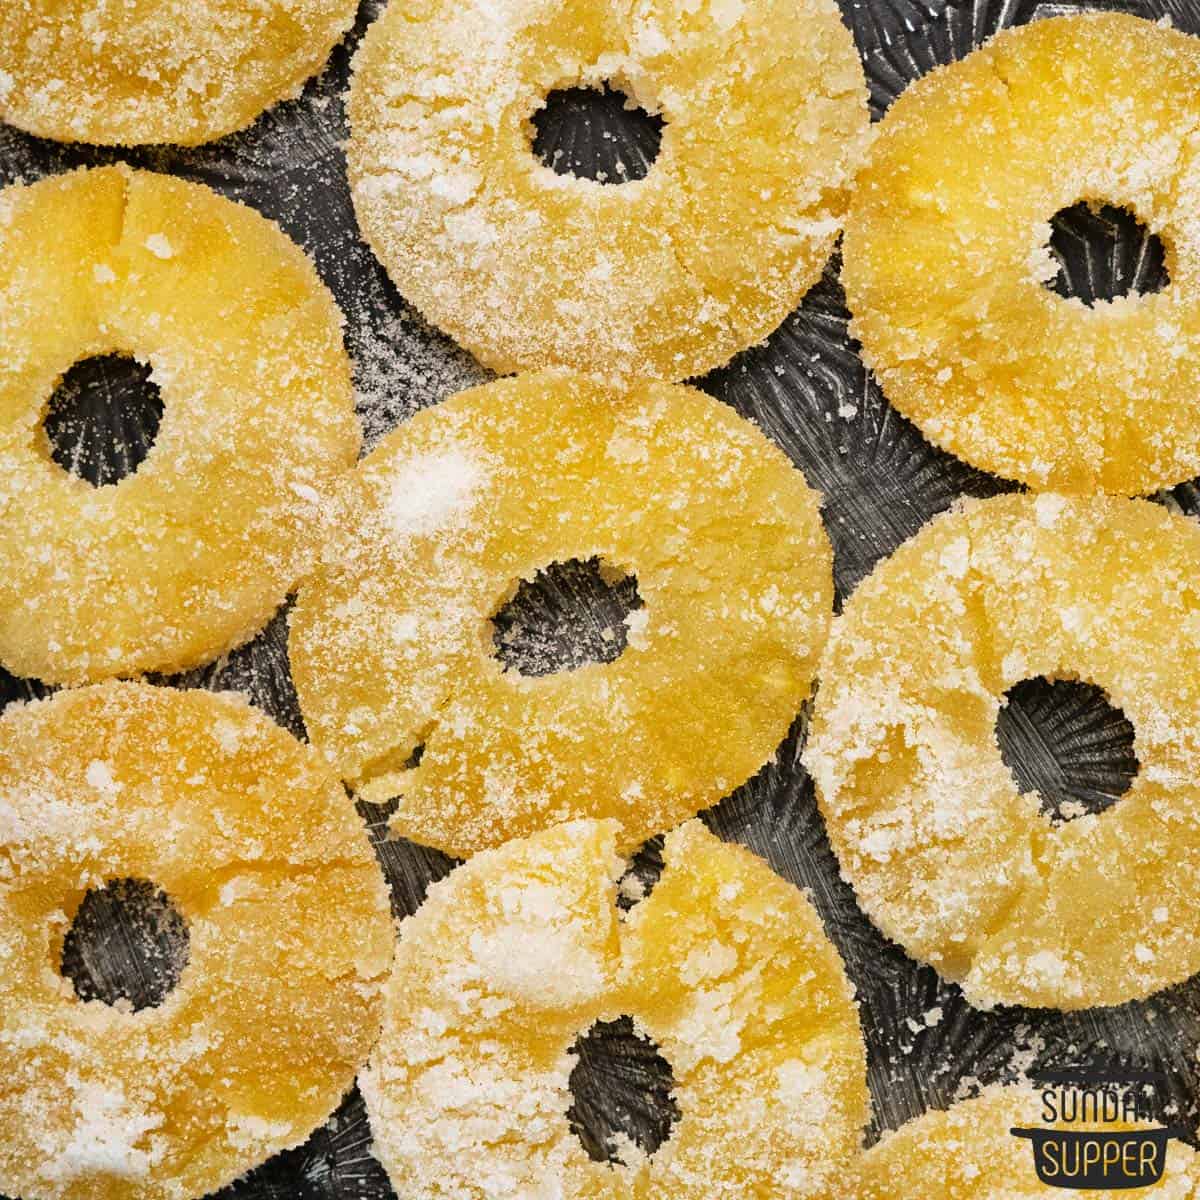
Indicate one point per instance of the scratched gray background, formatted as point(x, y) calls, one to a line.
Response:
point(881, 481)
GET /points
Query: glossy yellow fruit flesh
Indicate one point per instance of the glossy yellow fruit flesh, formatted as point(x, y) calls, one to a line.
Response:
point(391, 640)
point(945, 854)
point(146, 71)
point(190, 555)
point(290, 938)
point(946, 253)
point(724, 965)
point(668, 276)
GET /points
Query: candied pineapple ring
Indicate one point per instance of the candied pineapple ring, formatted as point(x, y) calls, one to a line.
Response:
point(189, 556)
point(967, 1152)
point(667, 276)
point(251, 836)
point(726, 966)
point(946, 855)
point(945, 255)
point(391, 643)
point(140, 72)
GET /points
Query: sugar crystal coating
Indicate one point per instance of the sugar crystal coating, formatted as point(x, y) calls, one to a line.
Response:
point(668, 276)
point(391, 644)
point(253, 839)
point(189, 556)
point(134, 72)
point(945, 854)
point(725, 966)
point(946, 255)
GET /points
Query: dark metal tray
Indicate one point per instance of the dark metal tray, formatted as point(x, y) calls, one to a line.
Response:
point(881, 481)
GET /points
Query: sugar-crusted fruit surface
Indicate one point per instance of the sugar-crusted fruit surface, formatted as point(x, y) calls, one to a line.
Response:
point(724, 965)
point(966, 1152)
point(252, 837)
point(945, 854)
point(190, 555)
point(145, 71)
point(668, 276)
point(391, 644)
point(946, 254)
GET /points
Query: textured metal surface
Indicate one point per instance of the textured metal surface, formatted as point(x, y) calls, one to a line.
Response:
point(1065, 742)
point(127, 946)
point(596, 133)
point(102, 419)
point(568, 614)
point(621, 1084)
point(1104, 252)
point(881, 481)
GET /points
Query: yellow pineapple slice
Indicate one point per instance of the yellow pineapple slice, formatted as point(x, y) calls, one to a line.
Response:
point(191, 554)
point(725, 965)
point(145, 71)
point(290, 938)
point(945, 854)
point(666, 276)
point(391, 643)
point(946, 255)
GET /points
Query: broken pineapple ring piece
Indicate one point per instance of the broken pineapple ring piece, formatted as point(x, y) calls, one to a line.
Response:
point(946, 855)
point(391, 640)
point(946, 255)
point(725, 966)
point(133, 73)
point(191, 554)
point(290, 939)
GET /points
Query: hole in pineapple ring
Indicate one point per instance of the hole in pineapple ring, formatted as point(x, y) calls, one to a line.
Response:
point(128, 945)
point(569, 614)
point(622, 1090)
point(102, 418)
point(1067, 742)
point(1103, 253)
point(598, 133)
